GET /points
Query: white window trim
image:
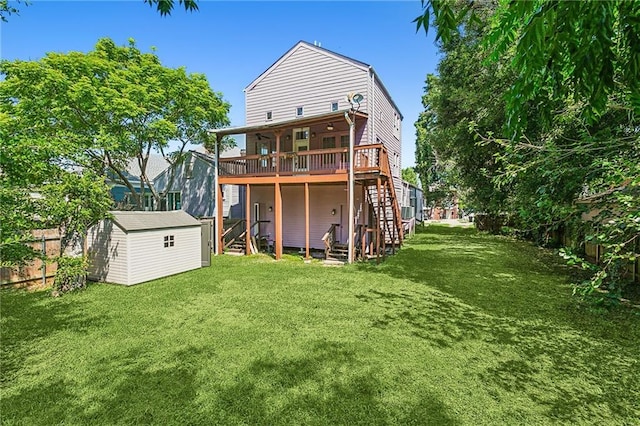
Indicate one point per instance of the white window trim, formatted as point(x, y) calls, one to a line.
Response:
point(301, 108)
point(266, 116)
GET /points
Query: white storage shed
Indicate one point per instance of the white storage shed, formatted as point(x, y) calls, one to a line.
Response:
point(134, 247)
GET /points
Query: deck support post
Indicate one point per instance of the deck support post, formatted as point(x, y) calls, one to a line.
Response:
point(278, 218)
point(247, 235)
point(378, 224)
point(219, 224)
point(306, 218)
point(217, 196)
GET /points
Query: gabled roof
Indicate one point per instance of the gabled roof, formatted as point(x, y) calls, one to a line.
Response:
point(329, 53)
point(155, 165)
point(301, 45)
point(138, 221)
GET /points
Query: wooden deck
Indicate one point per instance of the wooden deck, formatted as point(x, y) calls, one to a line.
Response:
point(369, 160)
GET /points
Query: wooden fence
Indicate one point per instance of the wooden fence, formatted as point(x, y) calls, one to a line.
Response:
point(36, 273)
point(594, 252)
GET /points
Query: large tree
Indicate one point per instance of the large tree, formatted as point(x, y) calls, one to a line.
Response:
point(71, 122)
point(584, 50)
point(462, 101)
point(113, 105)
point(569, 139)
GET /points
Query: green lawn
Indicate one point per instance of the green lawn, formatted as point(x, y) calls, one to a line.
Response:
point(458, 328)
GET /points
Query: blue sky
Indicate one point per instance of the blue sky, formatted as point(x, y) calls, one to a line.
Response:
point(234, 42)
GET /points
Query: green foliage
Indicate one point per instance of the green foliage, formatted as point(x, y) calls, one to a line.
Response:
point(70, 275)
point(166, 6)
point(38, 186)
point(70, 121)
point(566, 101)
point(463, 101)
point(584, 50)
point(7, 10)
point(110, 106)
point(409, 175)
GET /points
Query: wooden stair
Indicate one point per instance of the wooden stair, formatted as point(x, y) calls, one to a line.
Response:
point(385, 205)
point(237, 248)
point(338, 253)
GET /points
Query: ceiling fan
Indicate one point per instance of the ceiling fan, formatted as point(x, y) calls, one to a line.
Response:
point(260, 136)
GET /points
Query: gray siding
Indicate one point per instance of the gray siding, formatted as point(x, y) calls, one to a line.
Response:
point(385, 132)
point(305, 77)
point(149, 259)
point(108, 253)
point(198, 191)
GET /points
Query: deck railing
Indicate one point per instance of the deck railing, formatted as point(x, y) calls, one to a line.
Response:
point(367, 158)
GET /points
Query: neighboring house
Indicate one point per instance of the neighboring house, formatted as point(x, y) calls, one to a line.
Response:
point(192, 189)
point(120, 192)
point(295, 170)
point(446, 210)
point(133, 246)
point(412, 202)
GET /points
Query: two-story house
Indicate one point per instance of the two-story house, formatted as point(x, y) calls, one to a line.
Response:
point(191, 186)
point(322, 163)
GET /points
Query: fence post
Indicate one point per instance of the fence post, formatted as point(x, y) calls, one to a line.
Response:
point(44, 264)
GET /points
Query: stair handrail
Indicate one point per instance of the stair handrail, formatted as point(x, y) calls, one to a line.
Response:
point(385, 165)
point(228, 231)
point(358, 235)
point(329, 237)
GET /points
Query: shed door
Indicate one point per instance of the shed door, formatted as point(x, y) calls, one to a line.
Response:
point(205, 242)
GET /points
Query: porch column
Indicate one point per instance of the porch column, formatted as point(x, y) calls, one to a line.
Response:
point(277, 133)
point(306, 217)
point(247, 235)
point(219, 227)
point(395, 220)
point(352, 164)
point(385, 223)
point(217, 195)
point(278, 224)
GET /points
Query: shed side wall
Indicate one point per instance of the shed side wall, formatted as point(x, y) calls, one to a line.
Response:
point(149, 259)
point(108, 253)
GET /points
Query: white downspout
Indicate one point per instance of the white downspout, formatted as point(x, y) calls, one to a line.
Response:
point(372, 138)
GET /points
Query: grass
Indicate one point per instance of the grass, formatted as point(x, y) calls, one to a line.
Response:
point(458, 328)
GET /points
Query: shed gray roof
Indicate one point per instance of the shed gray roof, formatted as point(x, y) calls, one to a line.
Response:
point(138, 221)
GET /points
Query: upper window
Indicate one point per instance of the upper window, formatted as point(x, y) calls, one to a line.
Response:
point(334, 106)
point(299, 111)
point(344, 141)
point(172, 201)
point(269, 115)
point(301, 134)
point(396, 124)
point(169, 241)
point(149, 202)
point(396, 165)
